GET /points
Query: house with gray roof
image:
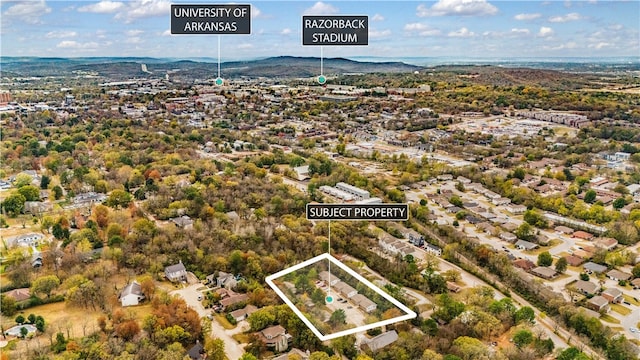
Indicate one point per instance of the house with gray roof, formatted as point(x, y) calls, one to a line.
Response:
point(378, 342)
point(593, 268)
point(176, 272)
point(131, 295)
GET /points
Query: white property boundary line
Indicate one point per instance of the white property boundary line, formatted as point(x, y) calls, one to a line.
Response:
point(410, 314)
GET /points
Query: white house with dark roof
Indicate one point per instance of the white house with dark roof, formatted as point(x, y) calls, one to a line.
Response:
point(131, 295)
point(176, 272)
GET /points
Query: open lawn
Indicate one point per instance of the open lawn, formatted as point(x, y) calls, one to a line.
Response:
point(242, 338)
point(620, 309)
point(224, 322)
point(610, 319)
point(631, 300)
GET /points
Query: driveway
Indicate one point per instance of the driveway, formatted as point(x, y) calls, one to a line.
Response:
point(190, 295)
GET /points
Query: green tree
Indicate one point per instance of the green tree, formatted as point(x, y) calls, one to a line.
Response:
point(214, 348)
point(119, 199)
point(45, 284)
point(522, 338)
point(14, 204)
point(8, 305)
point(40, 324)
point(30, 193)
point(525, 313)
point(619, 203)
point(57, 192)
point(590, 196)
point(22, 180)
point(44, 182)
point(23, 332)
point(338, 317)
point(261, 319)
point(470, 348)
point(561, 265)
point(248, 356)
point(456, 200)
point(519, 173)
point(31, 318)
point(636, 270)
point(525, 232)
point(545, 259)
point(20, 319)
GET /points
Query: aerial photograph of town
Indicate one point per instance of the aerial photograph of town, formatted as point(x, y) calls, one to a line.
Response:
point(320, 180)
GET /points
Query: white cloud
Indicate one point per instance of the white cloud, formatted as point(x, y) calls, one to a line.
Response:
point(527, 17)
point(615, 27)
point(60, 34)
point(285, 31)
point(545, 31)
point(378, 34)
point(144, 8)
point(166, 32)
point(245, 46)
point(566, 18)
point(133, 40)
point(256, 13)
point(321, 8)
point(377, 17)
point(422, 29)
point(462, 32)
point(70, 44)
point(600, 45)
point(102, 7)
point(520, 31)
point(133, 32)
point(28, 11)
point(458, 7)
point(568, 46)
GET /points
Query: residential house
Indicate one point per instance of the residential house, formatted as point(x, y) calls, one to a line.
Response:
point(345, 289)
point(574, 260)
point(197, 352)
point(275, 337)
point(131, 295)
point(233, 300)
point(592, 267)
point(433, 249)
point(226, 280)
point(303, 355)
point(599, 304)
point(507, 236)
point(561, 229)
point(324, 276)
point(524, 264)
point(453, 287)
point(18, 295)
point(544, 272)
point(582, 235)
point(636, 283)
point(586, 287)
point(501, 201)
point(516, 209)
point(364, 303)
point(606, 243)
point(380, 341)
point(243, 313)
point(526, 245)
point(184, 222)
point(616, 275)
point(302, 172)
point(613, 295)
point(176, 272)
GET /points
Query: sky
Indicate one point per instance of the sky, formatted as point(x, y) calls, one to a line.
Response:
point(397, 29)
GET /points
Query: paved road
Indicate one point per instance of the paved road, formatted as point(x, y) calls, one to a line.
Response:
point(231, 347)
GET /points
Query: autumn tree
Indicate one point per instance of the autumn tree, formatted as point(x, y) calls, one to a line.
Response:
point(45, 284)
point(214, 348)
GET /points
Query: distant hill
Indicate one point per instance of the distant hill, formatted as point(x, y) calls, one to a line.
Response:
point(121, 68)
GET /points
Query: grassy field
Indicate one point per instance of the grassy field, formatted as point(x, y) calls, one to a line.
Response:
point(631, 300)
point(610, 319)
point(242, 338)
point(224, 322)
point(620, 309)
